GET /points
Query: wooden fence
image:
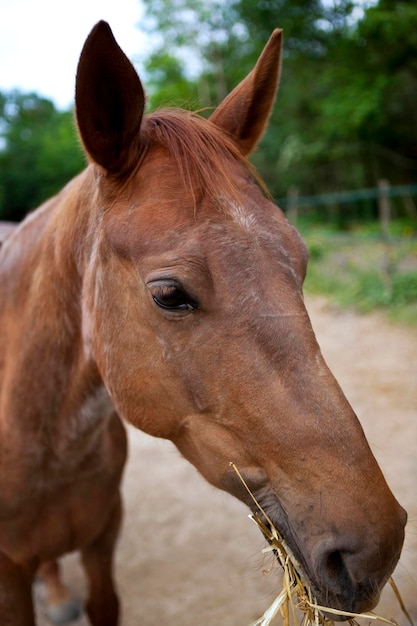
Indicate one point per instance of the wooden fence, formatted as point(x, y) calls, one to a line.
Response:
point(382, 194)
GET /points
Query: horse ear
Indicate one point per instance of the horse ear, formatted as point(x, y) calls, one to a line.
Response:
point(109, 101)
point(245, 112)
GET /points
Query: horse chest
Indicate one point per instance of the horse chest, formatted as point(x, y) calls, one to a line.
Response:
point(50, 452)
point(70, 492)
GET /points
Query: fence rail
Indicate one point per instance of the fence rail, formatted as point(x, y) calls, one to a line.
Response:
point(338, 197)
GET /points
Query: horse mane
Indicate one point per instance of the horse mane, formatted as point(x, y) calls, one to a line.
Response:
point(203, 152)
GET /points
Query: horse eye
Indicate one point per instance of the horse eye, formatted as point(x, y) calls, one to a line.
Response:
point(172, 297)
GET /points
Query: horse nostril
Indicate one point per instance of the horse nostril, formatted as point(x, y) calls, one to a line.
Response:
point(332, 571)
point(334, 565)
point(350, 567)
point(343, 578)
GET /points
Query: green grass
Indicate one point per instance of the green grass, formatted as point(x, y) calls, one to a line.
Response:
point(361, 271)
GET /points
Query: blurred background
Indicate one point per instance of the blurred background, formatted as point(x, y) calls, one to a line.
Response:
point(340, 154)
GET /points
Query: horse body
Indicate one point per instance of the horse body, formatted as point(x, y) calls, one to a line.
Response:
point(62, 445)
point(162, 285)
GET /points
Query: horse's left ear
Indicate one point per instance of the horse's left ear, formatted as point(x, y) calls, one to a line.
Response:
point(245, 112)
point(109, 101)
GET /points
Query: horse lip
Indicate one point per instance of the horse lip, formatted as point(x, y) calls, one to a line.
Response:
point(280, 521)
point(271, 505)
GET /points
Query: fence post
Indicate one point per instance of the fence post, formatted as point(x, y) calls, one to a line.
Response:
point(389, 265)
point(410, 206)
point(384, 208)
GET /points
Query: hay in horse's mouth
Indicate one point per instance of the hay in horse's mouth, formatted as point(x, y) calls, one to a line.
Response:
point(296, 592)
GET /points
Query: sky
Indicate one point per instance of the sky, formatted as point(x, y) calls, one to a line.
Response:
point(41, 41)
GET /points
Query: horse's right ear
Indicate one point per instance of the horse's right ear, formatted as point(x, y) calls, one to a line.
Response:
point(109, 101)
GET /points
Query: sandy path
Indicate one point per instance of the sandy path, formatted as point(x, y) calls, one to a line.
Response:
point(189, 556)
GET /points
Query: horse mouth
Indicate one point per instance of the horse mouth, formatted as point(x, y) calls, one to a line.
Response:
point(340, 566)
point(335, 590)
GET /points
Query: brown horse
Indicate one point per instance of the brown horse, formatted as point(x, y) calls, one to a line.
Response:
point(162, 285)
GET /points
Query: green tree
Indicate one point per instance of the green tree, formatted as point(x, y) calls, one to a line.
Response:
point(39, 152)
point(208, 39)
point(367, 115)
point(167, 84)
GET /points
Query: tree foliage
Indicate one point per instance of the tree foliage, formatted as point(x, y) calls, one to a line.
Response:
point(39, 152)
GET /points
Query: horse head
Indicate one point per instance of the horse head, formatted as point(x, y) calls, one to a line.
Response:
point(193, 312)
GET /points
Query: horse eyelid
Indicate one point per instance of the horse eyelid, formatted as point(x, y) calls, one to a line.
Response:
point(176, 298)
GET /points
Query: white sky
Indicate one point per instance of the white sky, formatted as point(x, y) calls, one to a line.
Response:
point(41, 40)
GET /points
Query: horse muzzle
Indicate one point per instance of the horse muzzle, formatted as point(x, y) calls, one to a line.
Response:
point(345, 570)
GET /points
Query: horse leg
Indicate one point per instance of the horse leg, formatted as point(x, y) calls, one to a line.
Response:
point(103, 604)
point(61, 607)
point(16, 606)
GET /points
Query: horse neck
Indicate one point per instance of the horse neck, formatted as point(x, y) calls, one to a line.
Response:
point(44, 373)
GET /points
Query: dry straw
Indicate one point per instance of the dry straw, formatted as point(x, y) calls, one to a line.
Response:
point(296, 593)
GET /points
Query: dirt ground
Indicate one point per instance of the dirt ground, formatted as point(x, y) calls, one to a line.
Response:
point(188, 554)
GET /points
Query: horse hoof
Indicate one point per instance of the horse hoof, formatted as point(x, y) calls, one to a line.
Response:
point(64, 612)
